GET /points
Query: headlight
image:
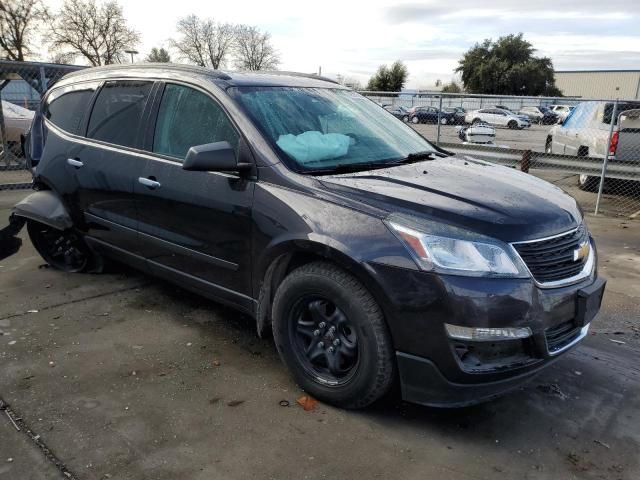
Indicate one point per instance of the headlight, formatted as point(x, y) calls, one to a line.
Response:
point(457, 256)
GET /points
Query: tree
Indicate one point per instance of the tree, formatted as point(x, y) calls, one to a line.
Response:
point(18, 20)
point(254, 50)
point(99, 33)
point(507, 67)
point(158, 55)
point(203, 41)
point(389, 79)
point(452, 87)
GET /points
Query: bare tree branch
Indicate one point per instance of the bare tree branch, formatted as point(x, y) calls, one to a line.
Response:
point(18, 20)
point(99, 33)
point(203, 41)
point(254, 50)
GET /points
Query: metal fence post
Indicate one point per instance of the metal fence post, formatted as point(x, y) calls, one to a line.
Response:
point(439, 113)
point(3, 132)
point(614, 114)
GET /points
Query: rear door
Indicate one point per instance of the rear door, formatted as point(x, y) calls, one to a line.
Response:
point(108, 163)
point(195, 225)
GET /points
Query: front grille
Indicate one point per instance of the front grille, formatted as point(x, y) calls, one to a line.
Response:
point(560, 336)
point(552, 259)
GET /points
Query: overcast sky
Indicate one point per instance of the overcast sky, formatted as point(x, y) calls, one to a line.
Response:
point(353, 38)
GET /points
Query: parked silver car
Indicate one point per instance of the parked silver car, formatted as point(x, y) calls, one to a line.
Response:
point(498, 117)
point(585, 133)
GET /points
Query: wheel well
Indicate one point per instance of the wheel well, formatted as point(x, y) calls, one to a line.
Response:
point(286, 263)
point(549, 140)
point(583, 151)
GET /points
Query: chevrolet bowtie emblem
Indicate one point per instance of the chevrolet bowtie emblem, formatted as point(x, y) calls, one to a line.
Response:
point(581, 252)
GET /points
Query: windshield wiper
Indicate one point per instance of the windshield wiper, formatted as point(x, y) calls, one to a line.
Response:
point(418, 156)
point(357, 167)
point(347, 168)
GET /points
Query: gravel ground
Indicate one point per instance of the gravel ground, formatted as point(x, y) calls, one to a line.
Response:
point(123, 376)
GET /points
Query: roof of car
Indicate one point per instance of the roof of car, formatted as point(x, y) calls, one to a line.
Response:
point(223, 78)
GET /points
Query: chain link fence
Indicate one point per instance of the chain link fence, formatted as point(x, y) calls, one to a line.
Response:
point(22, 85)
point(589, 148)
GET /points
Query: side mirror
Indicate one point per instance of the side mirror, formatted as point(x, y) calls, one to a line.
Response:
point(213, 157)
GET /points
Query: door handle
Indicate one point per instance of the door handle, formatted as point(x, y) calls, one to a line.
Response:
point(148, 182)
point(75, 163)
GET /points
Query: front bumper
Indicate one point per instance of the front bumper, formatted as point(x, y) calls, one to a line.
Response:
point(440, 371)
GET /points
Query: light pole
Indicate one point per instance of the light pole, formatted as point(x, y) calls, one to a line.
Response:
point(132, 52)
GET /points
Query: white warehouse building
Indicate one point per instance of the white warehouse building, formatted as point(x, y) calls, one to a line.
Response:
point(599, 84)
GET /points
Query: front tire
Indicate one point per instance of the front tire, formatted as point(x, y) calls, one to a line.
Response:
point(64, 250)
point(512, 124)
point(443, 121)
point(331, 334)
point(415, 120)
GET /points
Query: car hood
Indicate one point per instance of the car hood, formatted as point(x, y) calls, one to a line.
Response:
point(486, 198)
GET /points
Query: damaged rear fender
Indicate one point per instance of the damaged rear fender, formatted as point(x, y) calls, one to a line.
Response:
point(44, 207)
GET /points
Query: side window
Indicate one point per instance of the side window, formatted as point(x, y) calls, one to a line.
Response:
point(187, 118)
point(117, 113)
point(66, 106)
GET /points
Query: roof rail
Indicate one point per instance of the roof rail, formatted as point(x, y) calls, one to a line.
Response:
point(295, 74)
point(161, 66)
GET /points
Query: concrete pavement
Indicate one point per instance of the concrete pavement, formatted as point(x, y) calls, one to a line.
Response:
point(124, 376)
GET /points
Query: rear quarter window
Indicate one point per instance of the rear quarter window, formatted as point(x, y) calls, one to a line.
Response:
point(66, 107)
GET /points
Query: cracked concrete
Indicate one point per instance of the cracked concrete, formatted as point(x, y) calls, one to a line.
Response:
point(127, 377)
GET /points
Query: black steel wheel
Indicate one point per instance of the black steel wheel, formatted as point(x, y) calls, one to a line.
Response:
point(331, 334)
point(325, 343)
point(62, 249)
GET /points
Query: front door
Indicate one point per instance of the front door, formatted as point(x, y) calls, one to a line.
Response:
point(195, 226)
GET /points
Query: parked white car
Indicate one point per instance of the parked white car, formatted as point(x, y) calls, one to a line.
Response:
point(17, 121)
point(498, 117)
point(562, 111)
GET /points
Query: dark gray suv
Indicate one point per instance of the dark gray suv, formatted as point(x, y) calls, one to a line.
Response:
point(373, 256)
